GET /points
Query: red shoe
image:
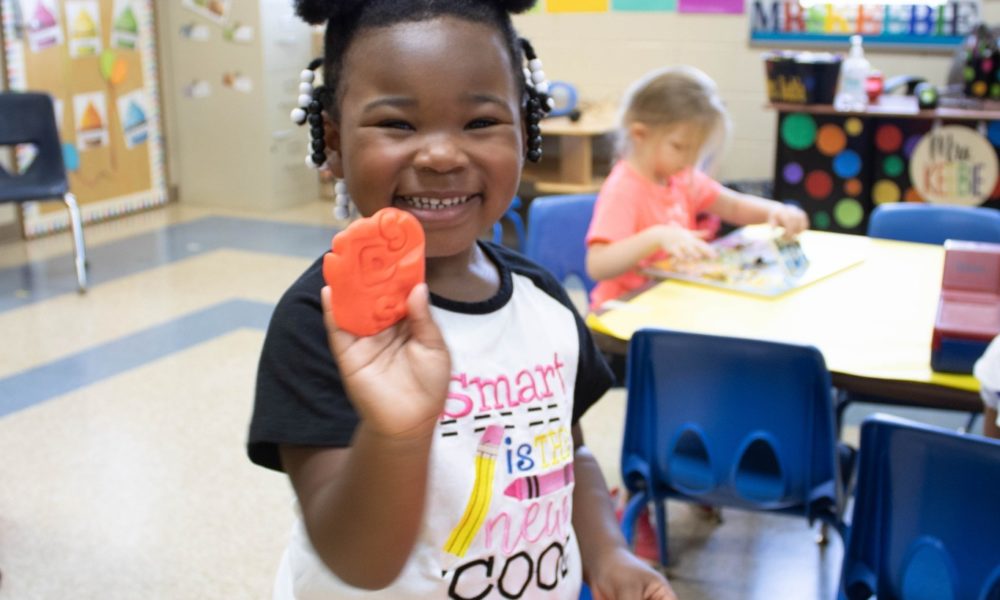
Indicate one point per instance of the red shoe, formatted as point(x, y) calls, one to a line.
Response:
point(644, 542)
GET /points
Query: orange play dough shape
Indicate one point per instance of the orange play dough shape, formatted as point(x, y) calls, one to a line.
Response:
point(372, 267)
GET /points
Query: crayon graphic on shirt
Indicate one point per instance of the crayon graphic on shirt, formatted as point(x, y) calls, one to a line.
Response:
point(536, 486)
point(482, 492)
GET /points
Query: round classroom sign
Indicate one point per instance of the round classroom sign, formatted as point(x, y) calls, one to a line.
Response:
point(954, 165)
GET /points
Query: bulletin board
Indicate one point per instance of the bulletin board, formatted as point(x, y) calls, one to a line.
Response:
point(97, 59)
point(838, 168)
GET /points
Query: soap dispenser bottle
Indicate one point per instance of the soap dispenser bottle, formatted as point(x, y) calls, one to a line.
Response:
point(853, 73)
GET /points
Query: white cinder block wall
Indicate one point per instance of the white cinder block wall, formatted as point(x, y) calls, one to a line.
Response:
point(601, 53)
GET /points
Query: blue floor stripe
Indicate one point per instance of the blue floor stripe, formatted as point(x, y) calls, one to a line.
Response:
point(27, 388)
point(41, 280)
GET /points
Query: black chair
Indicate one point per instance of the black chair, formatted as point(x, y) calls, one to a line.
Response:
point(29, 118)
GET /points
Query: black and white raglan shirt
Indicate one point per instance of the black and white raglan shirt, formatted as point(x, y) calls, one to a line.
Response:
point(498, 517)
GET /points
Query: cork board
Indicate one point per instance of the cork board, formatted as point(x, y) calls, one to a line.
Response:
point(97, 60)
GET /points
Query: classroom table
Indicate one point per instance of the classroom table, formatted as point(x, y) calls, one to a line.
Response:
point(872, 321)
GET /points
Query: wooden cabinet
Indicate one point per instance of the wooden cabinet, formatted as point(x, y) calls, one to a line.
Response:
point(573, 167)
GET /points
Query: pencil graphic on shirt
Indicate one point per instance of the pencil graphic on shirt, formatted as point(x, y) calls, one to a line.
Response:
point(536, 486)
point(482, 492)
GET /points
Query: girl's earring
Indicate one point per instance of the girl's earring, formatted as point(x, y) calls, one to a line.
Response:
point(341, 201)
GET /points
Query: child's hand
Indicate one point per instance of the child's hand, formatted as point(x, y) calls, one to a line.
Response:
point(791, 218)
point(397, 378)
point(682, 243)
point(622, 576)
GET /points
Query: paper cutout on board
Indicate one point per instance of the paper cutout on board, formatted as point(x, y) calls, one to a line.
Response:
point(237, 81)
point(133, 111)
point(91, 117)
point(124, 26)
point(195, 32)
point(57, 107)
point(575, 6)
point(71, 157)
point(644, 5)
point(83, 21)
point(237, 33)
point(42, 24)
point(216, 10)
point(24, 155)
point(199, 88)
point(114, 69)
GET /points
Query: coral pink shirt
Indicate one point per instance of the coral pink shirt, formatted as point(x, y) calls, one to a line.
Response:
point(629, 203)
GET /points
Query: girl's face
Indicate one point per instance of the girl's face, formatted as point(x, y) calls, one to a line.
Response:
point(430, 122)
point(676, 147)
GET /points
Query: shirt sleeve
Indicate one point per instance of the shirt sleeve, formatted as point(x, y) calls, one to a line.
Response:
point(704, 191)
point(614, 212)
point(300, 398)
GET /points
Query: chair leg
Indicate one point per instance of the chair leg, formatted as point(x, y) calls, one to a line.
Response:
point(970, 423)
point(660, 506)
point(823, 536)
point(79, 250)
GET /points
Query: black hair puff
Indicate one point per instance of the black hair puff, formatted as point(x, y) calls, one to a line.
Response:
point(516, 6)
point(317, 12)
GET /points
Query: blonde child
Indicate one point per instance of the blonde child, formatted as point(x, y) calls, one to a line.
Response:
point(647, 208)
point(441, 457)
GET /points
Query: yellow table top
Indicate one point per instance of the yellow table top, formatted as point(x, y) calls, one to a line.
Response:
point(873, 319)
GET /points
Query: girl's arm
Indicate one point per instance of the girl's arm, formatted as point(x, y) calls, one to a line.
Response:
point(745, 209)
point(363, 506)
point(611, 570)
point(607, 260)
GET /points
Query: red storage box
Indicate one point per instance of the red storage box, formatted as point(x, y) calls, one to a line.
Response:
point(968, 315)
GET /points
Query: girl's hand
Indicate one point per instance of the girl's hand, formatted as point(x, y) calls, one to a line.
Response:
point(791, 218)
point(622, 576)
point(398, 378)
point(683, 243)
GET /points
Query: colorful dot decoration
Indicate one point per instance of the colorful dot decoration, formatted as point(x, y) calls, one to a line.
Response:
point(798, 131)
point(839, 167)
point(792, 173)
point(831, 139)
point(885, 190)
point(853, 187)
point(847, 164)
point(819, 184)
point(854, 126)
point(993, 133)
point(821, 220)
point(848, 213)
point(888, 138)
point(893, 165)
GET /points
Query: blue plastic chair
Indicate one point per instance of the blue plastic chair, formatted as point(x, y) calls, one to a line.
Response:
point(730, 422)
point(557, 228)
point(29, 118)
point(926, 520)
point(934, 223)
point(515, 219)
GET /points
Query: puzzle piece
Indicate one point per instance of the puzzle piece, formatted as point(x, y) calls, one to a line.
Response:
point(371, 269)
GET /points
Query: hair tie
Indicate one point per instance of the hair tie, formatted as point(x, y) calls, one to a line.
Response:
point(539, 102)
point(310, 110)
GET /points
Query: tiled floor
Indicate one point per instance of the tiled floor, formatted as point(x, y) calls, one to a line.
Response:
point(123, 414)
